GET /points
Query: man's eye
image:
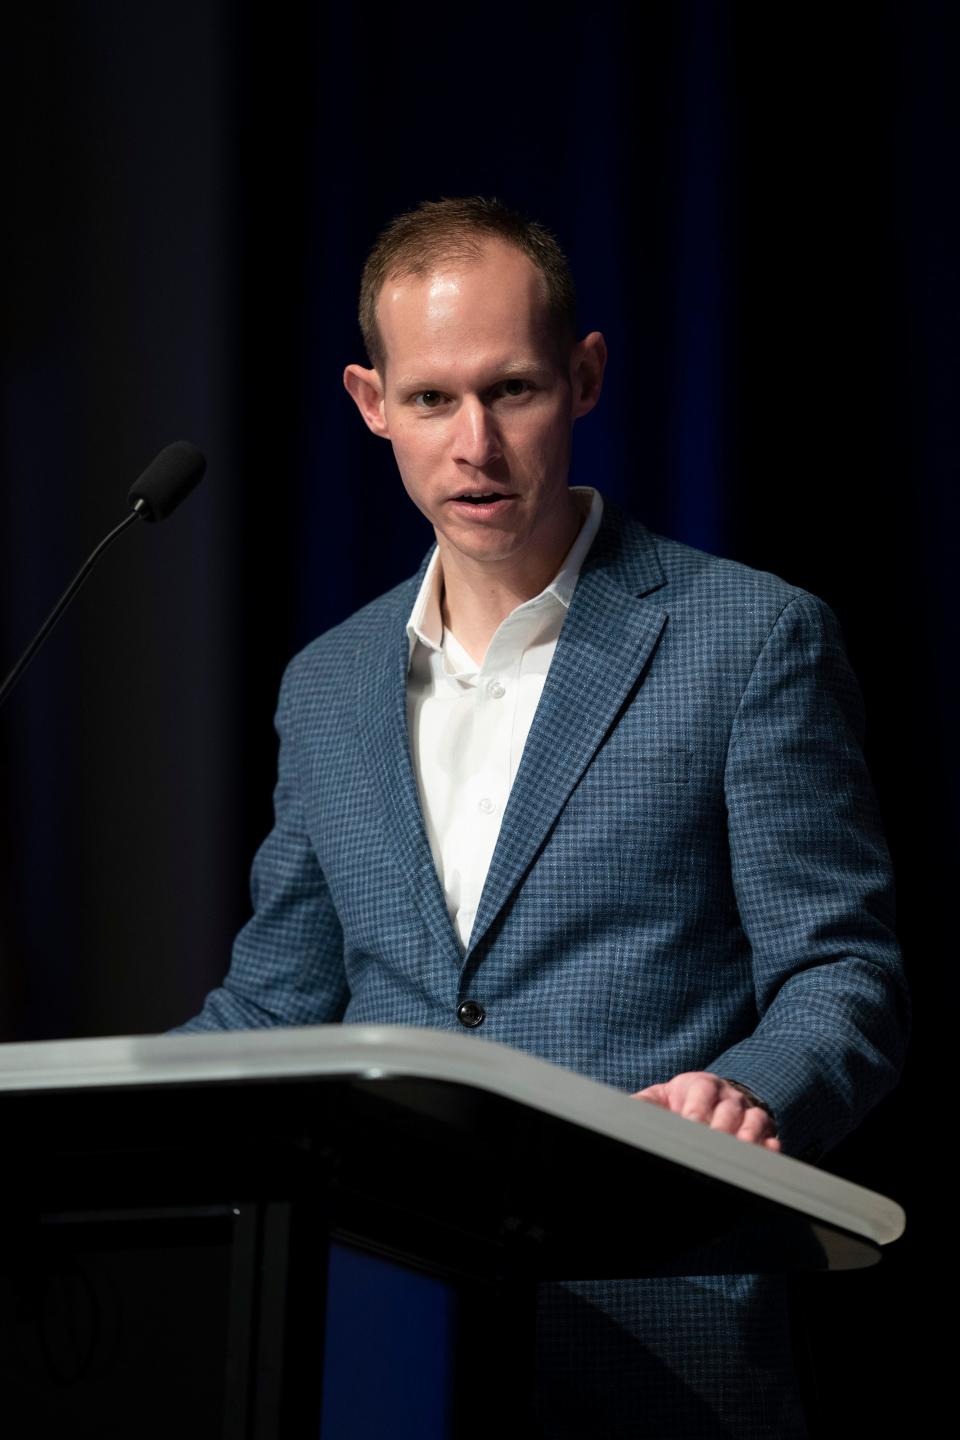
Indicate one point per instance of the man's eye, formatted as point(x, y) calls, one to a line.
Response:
point(428, 399)
point(515, 388)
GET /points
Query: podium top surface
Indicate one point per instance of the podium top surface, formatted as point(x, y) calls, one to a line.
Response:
point(384, 1052)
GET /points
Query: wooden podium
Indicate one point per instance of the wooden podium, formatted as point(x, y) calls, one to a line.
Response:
point(194, 1223)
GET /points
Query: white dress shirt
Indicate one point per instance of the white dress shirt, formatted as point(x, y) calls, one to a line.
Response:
point(468, 723)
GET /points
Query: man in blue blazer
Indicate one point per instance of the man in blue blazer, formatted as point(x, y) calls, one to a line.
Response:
point(583, 790)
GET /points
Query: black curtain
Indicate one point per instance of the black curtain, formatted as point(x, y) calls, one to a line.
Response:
point(760, 203)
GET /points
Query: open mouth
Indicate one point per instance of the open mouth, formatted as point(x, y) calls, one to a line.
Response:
point(480, 499)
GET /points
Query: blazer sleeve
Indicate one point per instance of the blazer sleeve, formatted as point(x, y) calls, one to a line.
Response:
point(287, 965)
point(814, 889)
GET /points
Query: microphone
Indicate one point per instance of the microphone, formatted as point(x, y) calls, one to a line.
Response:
point(167, 480)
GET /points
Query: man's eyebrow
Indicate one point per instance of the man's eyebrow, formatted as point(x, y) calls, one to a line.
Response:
point(509, 367)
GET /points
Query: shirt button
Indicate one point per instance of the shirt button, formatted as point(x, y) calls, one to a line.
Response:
point(471, 1014)
point(486, 806)
point(495, 690)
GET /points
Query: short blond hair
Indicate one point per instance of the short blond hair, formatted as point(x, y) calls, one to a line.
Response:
point(454, 229)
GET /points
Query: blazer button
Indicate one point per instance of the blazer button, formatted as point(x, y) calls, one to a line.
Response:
point(471, 1014)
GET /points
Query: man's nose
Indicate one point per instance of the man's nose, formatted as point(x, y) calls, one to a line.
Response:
point(477, 440)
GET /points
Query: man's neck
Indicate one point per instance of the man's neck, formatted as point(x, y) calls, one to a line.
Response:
point(477, 597)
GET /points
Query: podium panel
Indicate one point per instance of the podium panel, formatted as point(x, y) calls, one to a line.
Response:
point(191, 1214)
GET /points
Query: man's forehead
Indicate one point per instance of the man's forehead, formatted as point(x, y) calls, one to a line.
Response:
point(440, 288)
point(497, 299)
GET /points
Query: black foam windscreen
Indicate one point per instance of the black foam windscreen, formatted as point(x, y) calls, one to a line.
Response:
point(167, 480)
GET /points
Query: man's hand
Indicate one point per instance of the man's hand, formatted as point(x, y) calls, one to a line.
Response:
point(698, 1095)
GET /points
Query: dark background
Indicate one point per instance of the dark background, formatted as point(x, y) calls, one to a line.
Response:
point(760, 203)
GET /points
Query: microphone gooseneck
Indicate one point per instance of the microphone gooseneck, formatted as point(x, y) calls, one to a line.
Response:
point(167, 480)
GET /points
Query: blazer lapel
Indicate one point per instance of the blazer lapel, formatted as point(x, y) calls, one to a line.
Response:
point(607, 638)
point(382, 719)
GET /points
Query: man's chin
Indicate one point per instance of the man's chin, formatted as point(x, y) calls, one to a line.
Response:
point(494, 550)
point(488, 541)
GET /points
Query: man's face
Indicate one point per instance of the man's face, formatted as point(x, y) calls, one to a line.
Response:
point(479, 403)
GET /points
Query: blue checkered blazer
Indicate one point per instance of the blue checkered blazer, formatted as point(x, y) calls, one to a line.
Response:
point(690, 874)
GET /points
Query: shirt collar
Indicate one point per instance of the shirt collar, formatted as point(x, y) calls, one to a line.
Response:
point(425, 623)
point(564, 582)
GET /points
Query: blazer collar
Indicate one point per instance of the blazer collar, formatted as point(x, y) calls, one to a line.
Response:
point(626, 551)
point(608, 637)
point(382, 722)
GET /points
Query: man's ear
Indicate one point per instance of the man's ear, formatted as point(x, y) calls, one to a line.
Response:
point(587, 364)
point(366, 387)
